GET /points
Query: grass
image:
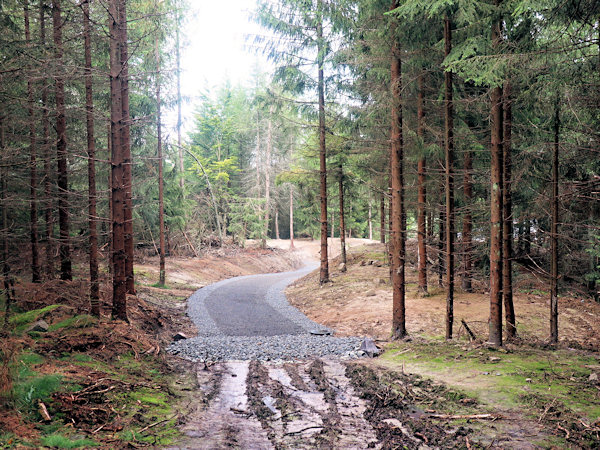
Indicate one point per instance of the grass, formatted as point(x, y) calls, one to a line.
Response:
point(504, 378)
point(60, 441)
point(81, 321)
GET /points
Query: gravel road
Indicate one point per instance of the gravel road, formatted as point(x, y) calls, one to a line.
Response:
point(249, 318)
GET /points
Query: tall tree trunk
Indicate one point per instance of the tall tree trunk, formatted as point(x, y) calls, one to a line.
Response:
point(554, 230)
point(382, 218)
point(467, 229)
point(324, 271)
point(422, 195)
point(33, 206)
point(178, 70)
point(48, 197)
point(441, 240)
point(91, 147)
point(342, 220)
point(268, 171)
point(161, 206)
point(370, 220)
point(4, 231)
point(495, 337)
point(291, 217)
point(119, 306)
point(61, 147)
point(449, 144)
point(126, 143)
point(397, 171)
point(507, 232)
point(277, 222)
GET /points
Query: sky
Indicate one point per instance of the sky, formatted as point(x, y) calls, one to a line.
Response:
point(214, 39)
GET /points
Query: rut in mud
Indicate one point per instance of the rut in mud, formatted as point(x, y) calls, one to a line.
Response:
point(251, 404)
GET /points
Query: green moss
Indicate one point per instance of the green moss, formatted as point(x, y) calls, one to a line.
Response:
point(22, 320)
point(81, 321)
point(60, 441)
point(548, 375)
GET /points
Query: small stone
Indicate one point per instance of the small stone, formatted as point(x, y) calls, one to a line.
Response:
point(593, 377)
point(378, 264)
point(485, 373)
point(371, 293)
point(528, 380)
point(39, 326)
point(495, 359)
point(179, 337)
point(371, 262)
point(321, 332)
point(342, 267)
point(369, 347)
point(363, 263)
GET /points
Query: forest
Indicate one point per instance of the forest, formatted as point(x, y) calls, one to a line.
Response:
point(462, 136)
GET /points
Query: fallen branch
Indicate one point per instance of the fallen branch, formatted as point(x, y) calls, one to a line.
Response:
point(303, 430)
point(471, 334)
point(568, 435)
point(152, 425)
point(458, 416)
point(44, 412)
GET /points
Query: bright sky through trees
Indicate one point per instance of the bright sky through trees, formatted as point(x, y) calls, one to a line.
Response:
point(215, 48)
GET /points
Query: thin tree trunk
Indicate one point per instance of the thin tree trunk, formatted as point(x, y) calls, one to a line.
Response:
point(91, 147)
point(33, 206)
point(61, 147)
point(422, 195)
point(291, 217)
point(554, 231)
point(507, 232)
point(324, 271)
point(4, 232)
point(268, 172)
point(48, 198)
point(110, 197)
point(370, 221)
point(397, 176)
point(178, 70)
point(126, 143)
point(449, 144)
point(161, 206)
point(277, 223)
point(382, 219)
point(495, 337)
point(441, 240)
point(342, 221)
point(467, 229)
point(119, 306)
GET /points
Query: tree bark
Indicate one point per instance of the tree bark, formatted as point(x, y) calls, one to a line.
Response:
point(91, 148)
point(48, 198)
point(324, 271)
point(178, 73)
point(4, 232)
point(441, 240)
point(268, 171)
point(291, 217)
point(119, 306)
point(554, 230)
point(507, 232)
point(33, 204)
point(161, 205)
point(126, 143)
point(495, 323)
point(382, 218)
point(422, 195)
point(277, 222)
point(397, 172)
point(61, 147)
point(449, 146)
point(467, 229)
point(342, 220)
point(370, 221)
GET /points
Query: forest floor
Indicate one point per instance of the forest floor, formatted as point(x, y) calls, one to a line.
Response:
point(88, 382)
point(538, 395)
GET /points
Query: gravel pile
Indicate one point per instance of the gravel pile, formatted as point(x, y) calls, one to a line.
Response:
point(212, 344)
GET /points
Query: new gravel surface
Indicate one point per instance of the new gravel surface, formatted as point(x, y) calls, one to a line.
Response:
point(249, 318)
